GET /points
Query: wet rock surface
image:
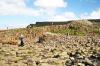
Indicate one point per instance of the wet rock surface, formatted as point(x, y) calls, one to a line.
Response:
point(55, 50)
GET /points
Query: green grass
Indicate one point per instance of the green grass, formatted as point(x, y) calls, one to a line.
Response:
point(70, 32)
point(96, 31)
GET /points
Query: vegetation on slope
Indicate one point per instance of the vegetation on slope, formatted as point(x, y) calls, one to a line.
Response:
point(79, 28)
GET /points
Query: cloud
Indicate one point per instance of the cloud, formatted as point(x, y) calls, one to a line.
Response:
point(48, 8)
point(57, 18)
point(93, 15)
point(50, 3)
point(70, 15)
point(16, 7)
point(13, 2)
point(64, 17)
point(12, 26)
point(45, 8)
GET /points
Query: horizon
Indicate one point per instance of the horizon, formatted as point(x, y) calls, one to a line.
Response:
point(24, 26)
point(20, 13)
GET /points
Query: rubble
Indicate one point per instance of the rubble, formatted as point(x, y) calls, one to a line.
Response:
point(56, 50)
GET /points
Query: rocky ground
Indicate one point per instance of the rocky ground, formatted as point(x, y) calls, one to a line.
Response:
point(53, 50)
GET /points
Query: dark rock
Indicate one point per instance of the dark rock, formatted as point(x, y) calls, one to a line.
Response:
point(93, 57)
point(71, 54)
point(56, 56)
point(69, 63)
point(37, 62)
point(41, 39)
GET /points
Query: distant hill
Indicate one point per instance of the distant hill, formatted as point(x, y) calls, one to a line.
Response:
point(75, 27)
point(94, 20)
point(48, 23)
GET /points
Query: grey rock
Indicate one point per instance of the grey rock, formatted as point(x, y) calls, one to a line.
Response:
point(81, 64)
point(88, 62)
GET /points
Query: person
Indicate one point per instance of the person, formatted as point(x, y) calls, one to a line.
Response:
point(21, 38)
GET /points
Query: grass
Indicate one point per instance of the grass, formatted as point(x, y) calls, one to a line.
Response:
point(96, 31)
point(75, 31)
point(78, 30)
point(70, 31)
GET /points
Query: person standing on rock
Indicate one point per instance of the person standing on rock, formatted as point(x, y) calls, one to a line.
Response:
point(21, 38)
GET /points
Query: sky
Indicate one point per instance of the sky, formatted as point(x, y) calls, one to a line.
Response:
point(20, 13)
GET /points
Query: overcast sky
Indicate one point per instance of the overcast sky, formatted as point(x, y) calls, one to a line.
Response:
point(19, 13)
